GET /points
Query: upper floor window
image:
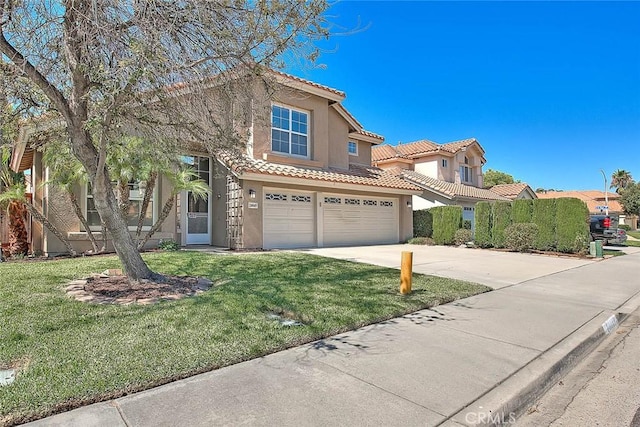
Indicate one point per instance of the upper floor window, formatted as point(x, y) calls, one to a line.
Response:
point(289, 131)
point(353, 148)
point(445, 163)
point(466, 174)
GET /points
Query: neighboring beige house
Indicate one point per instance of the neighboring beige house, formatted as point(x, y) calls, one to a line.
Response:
point(304, 180)
point(448, 174)
point(518, 190)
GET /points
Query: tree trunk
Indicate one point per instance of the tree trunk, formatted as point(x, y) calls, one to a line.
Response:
point(18, 236)
point(83, 220)
point(103, 230)
point(107, 206)
point(148, 192)
point(166, 210)
point(35, 214)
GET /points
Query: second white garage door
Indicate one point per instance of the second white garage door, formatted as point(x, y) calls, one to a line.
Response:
point(359, 220)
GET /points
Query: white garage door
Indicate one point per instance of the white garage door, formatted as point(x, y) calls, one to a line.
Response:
point(289, 219)
point(359, 220)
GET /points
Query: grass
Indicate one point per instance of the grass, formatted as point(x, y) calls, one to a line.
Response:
point(71, 353)
point(632, 243)
point(635, 234)
point(613, 252)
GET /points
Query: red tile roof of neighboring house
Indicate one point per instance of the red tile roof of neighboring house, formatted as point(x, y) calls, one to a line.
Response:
point(450, 189)
point(356, 174)
point(510, 191)
point(593, 199)
point(417, 149)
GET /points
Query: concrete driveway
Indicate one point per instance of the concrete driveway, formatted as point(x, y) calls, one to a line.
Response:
point(491, 268)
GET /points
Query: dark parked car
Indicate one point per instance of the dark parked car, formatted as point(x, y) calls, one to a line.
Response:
point(600, 228)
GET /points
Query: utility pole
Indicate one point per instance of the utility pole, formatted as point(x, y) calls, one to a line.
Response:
point(606, 194)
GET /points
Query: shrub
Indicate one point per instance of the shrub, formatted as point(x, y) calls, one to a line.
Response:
point(572, 227)
point(422, 223)
point(482, 217)
point(421, 241)
point(462, 236)
point(521, 211)
point(168, 245)
point(446, 220)
point(466, 224)
point(520, 237)
point(544, 216)
point(501, 215)
point(625, 227)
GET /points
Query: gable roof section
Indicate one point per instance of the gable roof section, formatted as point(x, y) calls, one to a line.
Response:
point(450, 190)
point(511, 191)
point(368, 176)
point(417, 149)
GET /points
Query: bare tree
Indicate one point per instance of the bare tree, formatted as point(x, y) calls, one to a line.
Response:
point(108, 69)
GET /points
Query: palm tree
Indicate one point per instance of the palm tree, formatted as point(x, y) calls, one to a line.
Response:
point(10, 187)
point(620, 179)
point(66, 172)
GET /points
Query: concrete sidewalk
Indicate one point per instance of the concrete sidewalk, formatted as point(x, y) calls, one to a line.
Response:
point(463, 363)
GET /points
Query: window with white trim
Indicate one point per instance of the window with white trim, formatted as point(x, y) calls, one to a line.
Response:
point(353, 148)
point(289, 131)
point(445, 163)
point(466, 173)
point(136, 194)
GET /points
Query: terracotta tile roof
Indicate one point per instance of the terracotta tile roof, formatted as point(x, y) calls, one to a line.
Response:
point(450, 189)
point(309, 82)
point(417, 149)
point(455, 146)
point(371, 134)
point(593, 199)
point(509, 190)
point(357, 174)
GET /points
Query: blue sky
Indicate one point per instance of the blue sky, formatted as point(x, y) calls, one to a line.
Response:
point(550, 89)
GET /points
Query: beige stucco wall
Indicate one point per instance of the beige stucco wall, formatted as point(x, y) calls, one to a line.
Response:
point(338, 140)
point(427, 167)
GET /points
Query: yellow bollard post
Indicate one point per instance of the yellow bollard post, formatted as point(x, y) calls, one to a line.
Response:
point(406, 272)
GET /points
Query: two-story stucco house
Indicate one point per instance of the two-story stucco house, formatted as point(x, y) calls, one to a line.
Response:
point(305, 179)
point(448, 174)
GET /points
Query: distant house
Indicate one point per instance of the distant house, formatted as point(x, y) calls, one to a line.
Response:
point(597, 203)
point(518, 190)
point(448, 174)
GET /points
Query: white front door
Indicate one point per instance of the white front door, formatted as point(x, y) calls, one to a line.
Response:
point(198, 210)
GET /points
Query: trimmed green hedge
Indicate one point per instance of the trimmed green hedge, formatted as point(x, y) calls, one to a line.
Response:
point(482, 216)
point(520, 237)
point(446, 221)
point(501, 215)
point(572, 225)
point(544, 216)
point(422, 223)
point(521, 211)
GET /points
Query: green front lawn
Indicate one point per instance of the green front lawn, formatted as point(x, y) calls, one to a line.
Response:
point(72, 353)
point(635, 234)
point(632, 243)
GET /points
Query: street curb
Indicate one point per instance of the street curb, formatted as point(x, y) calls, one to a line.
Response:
point(508, 400)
